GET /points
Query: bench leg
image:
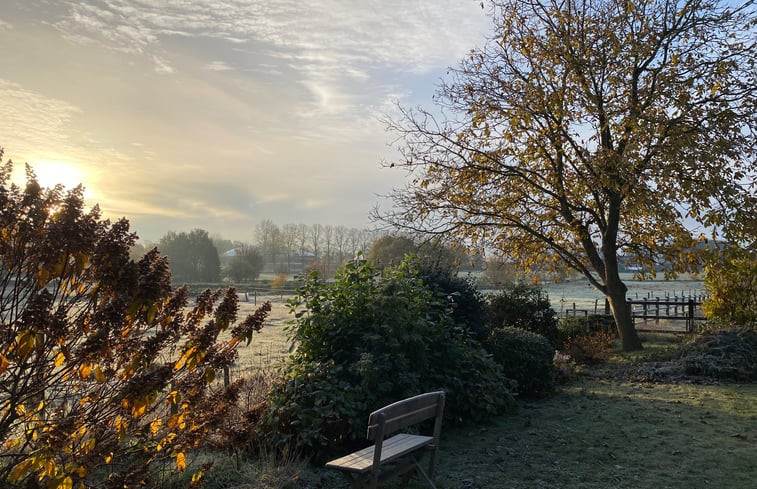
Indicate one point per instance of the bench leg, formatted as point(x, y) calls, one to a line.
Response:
point(423, 474)
point(432, 462)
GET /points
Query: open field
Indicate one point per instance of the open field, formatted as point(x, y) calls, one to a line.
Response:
point(270, 345)
point(563, 295)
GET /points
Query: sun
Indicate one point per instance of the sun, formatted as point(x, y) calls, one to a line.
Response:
point(52, 172)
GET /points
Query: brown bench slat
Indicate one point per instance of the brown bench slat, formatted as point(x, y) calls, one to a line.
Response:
point(397, 420)
point(393, 448)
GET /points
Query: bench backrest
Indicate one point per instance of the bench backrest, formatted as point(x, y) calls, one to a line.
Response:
point(407, 412)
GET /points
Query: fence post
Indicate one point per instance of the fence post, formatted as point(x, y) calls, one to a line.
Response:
point(607, 304)
point(657, 310)
point(644, 306)
point(690, 319)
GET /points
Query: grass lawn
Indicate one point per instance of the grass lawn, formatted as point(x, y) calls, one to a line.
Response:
point(605, 434)
point(603, 430)
point(607, 428)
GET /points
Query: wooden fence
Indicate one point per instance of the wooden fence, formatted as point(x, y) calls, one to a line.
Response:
point(650, 310)
point(676, 308)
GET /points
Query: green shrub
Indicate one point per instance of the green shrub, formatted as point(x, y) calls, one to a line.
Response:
point(525, 307)
point(726, 354)
point(526, 357)
point(468, 305)
point(368, 339)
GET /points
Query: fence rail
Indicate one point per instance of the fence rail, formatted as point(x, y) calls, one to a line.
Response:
point(686, 308)
point(682, 308)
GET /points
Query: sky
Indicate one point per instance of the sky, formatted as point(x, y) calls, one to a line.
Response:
point(217, 114)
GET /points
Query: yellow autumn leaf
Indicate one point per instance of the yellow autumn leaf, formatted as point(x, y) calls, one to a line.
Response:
point(49, 467)
point(42, 277)
point(138, 409)
point(99, 375)
point(88, 446)
point(26, 341)
point(21, 470)
point(120, 424)
point(180, 363)
point(181, 463)
point(197, 476)
point(109, 458)
point(3, 363)
point(59, 359)
point(155, 426)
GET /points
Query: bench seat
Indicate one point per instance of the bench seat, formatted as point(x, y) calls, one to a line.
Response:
point(393, 448)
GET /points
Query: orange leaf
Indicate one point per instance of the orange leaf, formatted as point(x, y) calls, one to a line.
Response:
point(85, 370)
point(181, 463)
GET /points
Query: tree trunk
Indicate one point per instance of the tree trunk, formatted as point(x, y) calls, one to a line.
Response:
point(621, 312)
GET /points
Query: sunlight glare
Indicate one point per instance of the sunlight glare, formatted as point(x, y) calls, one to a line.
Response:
point(52, 172)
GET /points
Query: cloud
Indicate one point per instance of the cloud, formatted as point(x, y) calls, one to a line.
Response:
point(210, 113)
point(32, 120)
point(330, 44)
point(218, 66)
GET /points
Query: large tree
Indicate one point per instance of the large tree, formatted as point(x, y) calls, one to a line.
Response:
point(587, 130)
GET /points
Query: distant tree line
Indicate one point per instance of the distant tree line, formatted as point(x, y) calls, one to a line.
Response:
point(297, 249)
point(197, 256)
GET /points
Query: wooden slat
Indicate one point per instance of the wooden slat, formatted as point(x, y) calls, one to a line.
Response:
point(394, 447)
point(405, 413)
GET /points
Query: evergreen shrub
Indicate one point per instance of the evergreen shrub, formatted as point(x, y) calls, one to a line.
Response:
point(525, 307)
point(525, 357)
point(468, 305)
point(368, 339)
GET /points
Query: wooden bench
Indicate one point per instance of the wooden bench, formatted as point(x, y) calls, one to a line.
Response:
point(395, 455)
